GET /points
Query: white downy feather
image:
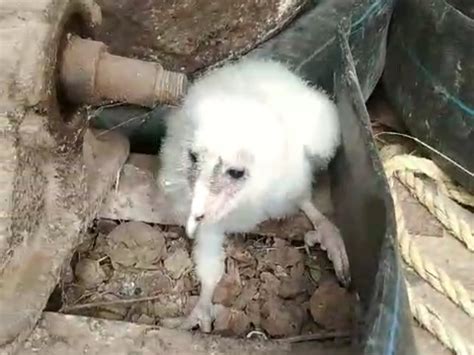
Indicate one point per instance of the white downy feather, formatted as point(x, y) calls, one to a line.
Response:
point(258, 106)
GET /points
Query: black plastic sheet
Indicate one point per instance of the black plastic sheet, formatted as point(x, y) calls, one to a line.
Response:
point(365, 215)
point(429, 78)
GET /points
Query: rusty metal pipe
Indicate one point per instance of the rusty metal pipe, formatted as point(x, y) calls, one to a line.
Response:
point(89, 74)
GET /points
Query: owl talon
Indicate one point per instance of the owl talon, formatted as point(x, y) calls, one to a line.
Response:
point(330, 240)
point(201, 316)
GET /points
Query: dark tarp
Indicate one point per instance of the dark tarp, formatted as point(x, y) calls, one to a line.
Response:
point(429, 78)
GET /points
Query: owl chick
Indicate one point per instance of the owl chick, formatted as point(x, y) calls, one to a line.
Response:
point(241, 149)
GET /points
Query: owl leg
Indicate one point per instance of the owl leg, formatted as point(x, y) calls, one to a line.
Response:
point(329, 237)
point(209, 259)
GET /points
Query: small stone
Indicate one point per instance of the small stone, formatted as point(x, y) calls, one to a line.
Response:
point(178, 263)
point(281, 319)
point(231, 322)
point(89, 273)
point(135, 244)
point(332, 306)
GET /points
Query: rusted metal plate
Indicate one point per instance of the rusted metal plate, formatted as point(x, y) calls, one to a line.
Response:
point(189, 35)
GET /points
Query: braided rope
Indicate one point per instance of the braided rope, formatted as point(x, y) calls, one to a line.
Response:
point(431, 273)
point(435, 324)
point(457, 193)
point(414, 164)
point(403, 167)
point(458, 227)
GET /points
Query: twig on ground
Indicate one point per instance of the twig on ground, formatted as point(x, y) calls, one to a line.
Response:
point(110, 303)
point(317, 337)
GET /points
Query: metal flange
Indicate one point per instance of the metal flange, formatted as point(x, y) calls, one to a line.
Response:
point(90, 74)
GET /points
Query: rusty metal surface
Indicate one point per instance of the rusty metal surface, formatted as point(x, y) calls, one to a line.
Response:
point(189, 35)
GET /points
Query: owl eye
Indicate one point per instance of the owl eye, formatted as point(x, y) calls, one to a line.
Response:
point(236, 173)
point(192, 157)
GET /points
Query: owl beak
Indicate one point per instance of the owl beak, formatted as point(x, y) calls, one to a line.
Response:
point(192, 225)
point(197, 209)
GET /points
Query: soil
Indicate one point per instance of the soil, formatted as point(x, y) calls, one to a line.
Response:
point(189, 35)
point(270, 286)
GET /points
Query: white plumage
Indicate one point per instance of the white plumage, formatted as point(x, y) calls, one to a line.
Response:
point(241, 149)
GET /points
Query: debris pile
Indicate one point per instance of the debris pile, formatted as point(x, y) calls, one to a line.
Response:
point(142, 273)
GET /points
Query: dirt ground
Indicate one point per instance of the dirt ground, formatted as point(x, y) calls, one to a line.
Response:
point(270, 285)
point(191, 34)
